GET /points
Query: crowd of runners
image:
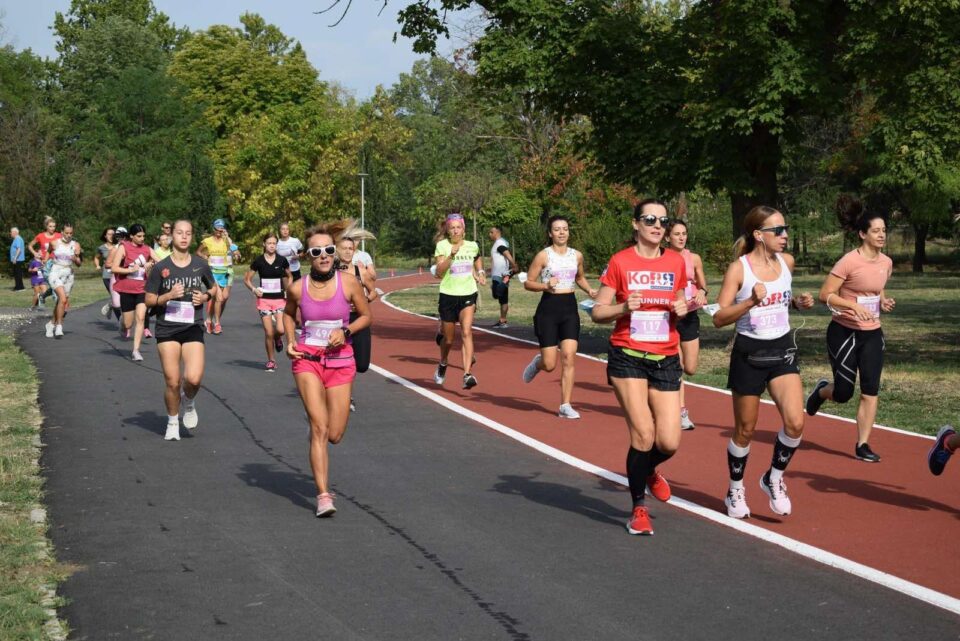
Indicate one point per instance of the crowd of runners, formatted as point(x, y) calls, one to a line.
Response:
point(651, 292)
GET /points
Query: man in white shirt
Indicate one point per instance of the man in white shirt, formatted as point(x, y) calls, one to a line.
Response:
point(502, 268)
point(365, 261)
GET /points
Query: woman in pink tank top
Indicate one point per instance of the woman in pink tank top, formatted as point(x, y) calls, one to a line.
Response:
point(689, 325)
point(321, 353)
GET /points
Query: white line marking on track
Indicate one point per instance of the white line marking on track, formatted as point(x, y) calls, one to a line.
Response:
point(814, 553)
point(897, 430)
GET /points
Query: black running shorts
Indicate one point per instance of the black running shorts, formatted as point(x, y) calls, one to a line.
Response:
point(662, 375)
point(192, 334)
point(557, 319)
point(500, 291)
point(689, 327)
point(450, 306)
point(754, 363)
point(129, 302)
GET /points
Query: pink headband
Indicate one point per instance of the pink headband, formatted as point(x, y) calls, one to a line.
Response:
point(454, 217)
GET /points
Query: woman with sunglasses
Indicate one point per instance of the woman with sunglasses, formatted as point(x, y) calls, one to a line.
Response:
point(459, 268)
point(756, 294)
point(854, 292)
point(178, 288)
point(132, 261)
point(689, 326)
point(362, 343)
point(556, 272)
point(642, 291)
point(65, 255)
point(322, 355)
point(274, 273)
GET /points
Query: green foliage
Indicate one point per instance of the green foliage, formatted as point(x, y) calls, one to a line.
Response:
point(84, 14)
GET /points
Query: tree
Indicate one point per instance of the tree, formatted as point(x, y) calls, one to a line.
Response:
point(83, 14)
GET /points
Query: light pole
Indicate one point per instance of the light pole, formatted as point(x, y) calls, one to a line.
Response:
point(363, 242)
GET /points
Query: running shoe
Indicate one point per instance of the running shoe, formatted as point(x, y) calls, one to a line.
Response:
point(208, 325)
point(814, 401)
point(353, 406)
point(105, 310)
point(147, 333)
point(217, 329)
point(640, 522)
point(469, 381)
point(136, 356)
point(567, 411)
point(500, 325)
point(49, 327)
point(864, 453)
point(531, 370)
point(58, 331)
point(126, 334)
point(736, 503)
point(441, 374)
point(270, 366)
point(173, 431)
point(938, 455)
point(325, 506)
point(190, 418)
point(278, 344)
point(777, 493)
point(658, 486)
point(685, 422)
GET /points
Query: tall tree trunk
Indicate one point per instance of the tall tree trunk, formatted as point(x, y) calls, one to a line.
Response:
point(763, 159)
point(920, 246)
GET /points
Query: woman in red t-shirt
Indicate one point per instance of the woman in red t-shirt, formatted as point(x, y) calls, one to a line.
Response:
point(643, 292)
point(132, 260)
point(44, 240)
point(854, 292)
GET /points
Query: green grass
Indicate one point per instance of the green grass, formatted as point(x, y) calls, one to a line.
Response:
point(87, 288)
point(26, 568)
point(921, 378)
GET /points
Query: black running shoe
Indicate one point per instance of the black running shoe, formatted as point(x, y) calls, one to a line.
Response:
point(469, 380)
point(441, 374)
point(814, 401)
point(864, 453)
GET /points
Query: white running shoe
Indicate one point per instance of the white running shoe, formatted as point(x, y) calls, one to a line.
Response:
point(531, 370)
point(777, 492)
point(136, 356)
point(105, 310)
point(441, 374)
point(49, 327)
point(58, 331)
point(173, 432)
point(685, 422)
point(567, 411)
point(190, 418)
point(736, 503)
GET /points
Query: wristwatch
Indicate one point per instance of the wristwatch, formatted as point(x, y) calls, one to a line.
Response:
point(346, 333)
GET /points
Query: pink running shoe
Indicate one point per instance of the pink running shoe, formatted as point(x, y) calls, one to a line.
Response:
point(325, 506)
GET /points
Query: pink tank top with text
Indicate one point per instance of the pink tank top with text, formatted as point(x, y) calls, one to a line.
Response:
point(320, 317)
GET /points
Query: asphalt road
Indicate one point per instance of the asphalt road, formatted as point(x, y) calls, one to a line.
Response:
point(445, 530)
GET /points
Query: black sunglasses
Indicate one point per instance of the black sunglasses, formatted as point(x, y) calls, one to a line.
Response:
point(650, 220)
point(779, 230)
point(317, 252)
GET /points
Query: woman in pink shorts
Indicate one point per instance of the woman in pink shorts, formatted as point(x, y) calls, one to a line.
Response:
point(274, 273)
point(323, 364)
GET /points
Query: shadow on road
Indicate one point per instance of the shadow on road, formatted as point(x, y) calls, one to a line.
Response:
point(560, 496)
point(298, 488)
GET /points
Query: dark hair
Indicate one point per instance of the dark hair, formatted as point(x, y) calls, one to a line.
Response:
point(135, 229)
point(852, 215)
point(497, 227)
point(638, 209)
point(752, 222)
point(554, 219)
point(674, 222)
point(269, 235)
point(103, 236)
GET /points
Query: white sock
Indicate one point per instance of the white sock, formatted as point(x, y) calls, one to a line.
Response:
point(736, 485)
point(736, 450)
point(775, 475)
point(173, 420)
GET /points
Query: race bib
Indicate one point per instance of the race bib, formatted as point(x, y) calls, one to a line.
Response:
point(317, 333)
point(140, 274)
point(771, 321)
point(871, 304)
point(270, 285)
point(650, 327)
point(218, 261)
point(461, 269)
point(179, 311)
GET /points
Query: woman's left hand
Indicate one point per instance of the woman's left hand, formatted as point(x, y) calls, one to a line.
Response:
point(887, 304)
point(805, 300)
point(336, 338)
point(700, 299)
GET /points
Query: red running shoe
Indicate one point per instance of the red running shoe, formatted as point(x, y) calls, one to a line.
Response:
point(658, 486)
point(217, 329)
point(208, 325)
point(640, 523)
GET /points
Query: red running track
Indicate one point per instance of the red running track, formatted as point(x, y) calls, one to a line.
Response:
point(893, 516)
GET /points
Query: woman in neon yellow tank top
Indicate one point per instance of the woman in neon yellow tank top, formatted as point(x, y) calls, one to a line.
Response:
point(220, 252)
point(459, 268)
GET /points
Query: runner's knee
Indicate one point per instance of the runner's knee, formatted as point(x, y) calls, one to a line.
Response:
point(842, 391)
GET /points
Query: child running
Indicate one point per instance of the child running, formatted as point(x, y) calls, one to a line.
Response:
point(65, 254)
point(274, 273)
point(178, 287)
point(459, 268)
point(756, 295)
point(854, 292)
point(322, 357)
point(556, 272)
point(643, 292)
point(37, 282)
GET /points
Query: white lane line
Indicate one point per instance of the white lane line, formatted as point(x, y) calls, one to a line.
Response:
point(816, 554)
point(600, 360)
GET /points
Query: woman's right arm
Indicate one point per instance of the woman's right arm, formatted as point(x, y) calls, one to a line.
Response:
point(116, 260)
point(533, 284)
point(732, 281)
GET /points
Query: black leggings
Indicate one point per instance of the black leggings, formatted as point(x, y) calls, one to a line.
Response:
point(362, 345)
point(852, 351)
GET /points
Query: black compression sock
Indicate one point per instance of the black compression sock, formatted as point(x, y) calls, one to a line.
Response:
point(638, 468)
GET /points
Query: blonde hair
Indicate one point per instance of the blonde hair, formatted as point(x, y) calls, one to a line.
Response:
point(752, 222)
point(339, 229)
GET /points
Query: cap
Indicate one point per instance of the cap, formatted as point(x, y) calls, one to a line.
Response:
point(120, 230)
point(219, 224)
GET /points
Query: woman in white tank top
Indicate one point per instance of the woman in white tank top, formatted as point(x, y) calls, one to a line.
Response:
point(756, 295)
point(556, 272)
point(65, 255)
